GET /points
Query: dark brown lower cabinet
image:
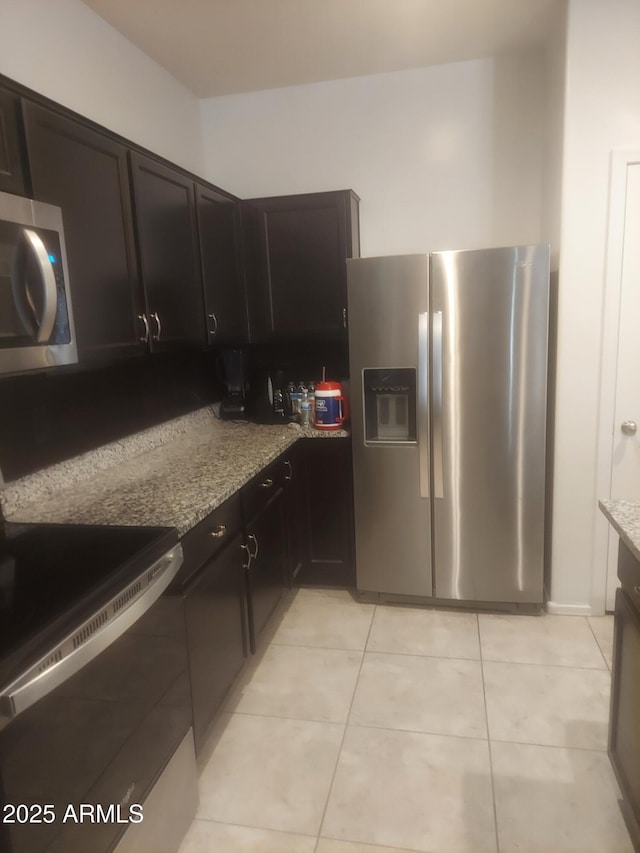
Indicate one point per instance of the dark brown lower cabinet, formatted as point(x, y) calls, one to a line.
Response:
point(292, 519)
point(624, 724)
point(267, 573)
point(294, 487)
point(327, 513)
point(267, 554)
point(215, 612)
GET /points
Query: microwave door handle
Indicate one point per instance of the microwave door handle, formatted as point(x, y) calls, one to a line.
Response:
point(22, 301)
point(49, 289)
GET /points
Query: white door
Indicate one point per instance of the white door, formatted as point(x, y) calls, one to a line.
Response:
point(625, 468)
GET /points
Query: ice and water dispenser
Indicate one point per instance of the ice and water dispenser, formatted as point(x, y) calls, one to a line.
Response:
point(389, 405)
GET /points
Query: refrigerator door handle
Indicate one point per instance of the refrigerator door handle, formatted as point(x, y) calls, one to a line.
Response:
point(436, 384)
point(423, 402)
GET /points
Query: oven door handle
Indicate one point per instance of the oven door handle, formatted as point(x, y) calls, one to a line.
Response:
point(91, 638)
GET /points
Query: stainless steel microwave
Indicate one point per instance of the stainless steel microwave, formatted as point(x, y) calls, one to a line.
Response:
point(36, 319)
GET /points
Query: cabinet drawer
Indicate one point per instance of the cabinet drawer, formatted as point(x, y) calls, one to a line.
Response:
point(210, 536)
point(629, 574)
point(256, 493)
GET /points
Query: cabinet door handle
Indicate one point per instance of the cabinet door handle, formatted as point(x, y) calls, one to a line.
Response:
point(145, 337)
point(254, 539)
point(344, 318)
point(213, 317)
point(245, 548)
point(267, 483)
point(289, 469)
point(156, 317)
point(219, 531)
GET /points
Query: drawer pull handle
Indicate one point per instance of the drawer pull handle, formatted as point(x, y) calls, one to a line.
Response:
point(219, 532)
point(155, 316)
point(145, 337)
point(245, 548)
point(253, 538)
point(267, 483)
point(289, 474)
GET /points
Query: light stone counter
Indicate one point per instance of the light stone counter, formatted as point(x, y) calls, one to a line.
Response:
point(625, 518)
point(172, 475)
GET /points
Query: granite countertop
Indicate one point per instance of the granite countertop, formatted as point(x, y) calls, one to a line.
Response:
point(625, 518)
point(173, 475)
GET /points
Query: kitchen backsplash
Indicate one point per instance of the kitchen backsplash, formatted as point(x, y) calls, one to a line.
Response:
point(45, 483)
point(50, 417)
point(47, 418)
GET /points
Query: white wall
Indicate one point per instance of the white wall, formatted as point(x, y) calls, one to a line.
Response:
point(555, 66)
point(62, 49)
point(602, 112)
point(442, 157)
point(555, 61)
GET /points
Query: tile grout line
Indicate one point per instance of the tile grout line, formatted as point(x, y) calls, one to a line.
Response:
point(344, 733)
point(293, 719)
point(378, 652)
point(220, 822)
point(564, 746)
point(486, 716)
point(320, 648)
point(375, 728)
point(606, 662)
point(604, 668)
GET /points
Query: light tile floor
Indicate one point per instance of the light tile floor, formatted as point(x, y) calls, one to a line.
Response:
point(382, 729)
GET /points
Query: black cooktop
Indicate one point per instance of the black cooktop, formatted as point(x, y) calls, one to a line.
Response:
point(52, 577)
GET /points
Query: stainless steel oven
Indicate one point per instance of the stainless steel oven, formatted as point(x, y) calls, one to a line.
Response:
point(36, 318)
point(96, 742)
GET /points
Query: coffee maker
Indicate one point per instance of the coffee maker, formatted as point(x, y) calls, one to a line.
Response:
point(234, 404)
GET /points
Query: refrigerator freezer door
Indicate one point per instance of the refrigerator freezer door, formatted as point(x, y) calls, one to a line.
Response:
point(392, 510)
point(489, 422)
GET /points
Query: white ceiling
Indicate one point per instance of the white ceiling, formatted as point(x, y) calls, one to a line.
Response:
point(218, 47)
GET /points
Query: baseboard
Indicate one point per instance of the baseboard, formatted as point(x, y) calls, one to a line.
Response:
point(556, 609)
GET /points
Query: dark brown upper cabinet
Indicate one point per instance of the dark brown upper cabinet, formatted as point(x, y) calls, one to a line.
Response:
point(12, 179)
point(296, 249)
point(85, 173)
point(223, 284)
point(165, 216)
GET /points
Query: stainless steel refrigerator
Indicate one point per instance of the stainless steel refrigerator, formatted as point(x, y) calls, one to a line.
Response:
point(448, 358)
